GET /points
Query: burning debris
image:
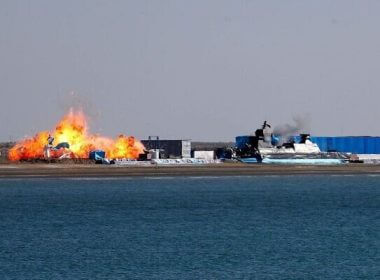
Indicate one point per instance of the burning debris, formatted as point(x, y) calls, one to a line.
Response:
point(71, 139)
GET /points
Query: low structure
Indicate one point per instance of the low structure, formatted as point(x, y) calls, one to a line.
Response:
point(207, 155)
point(169, 148)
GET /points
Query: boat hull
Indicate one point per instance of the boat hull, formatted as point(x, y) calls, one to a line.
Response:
point(300, 161)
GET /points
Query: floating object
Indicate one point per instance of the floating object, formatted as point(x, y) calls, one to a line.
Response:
point(260, 149)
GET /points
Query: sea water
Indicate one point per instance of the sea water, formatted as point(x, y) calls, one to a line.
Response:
point(263, 227)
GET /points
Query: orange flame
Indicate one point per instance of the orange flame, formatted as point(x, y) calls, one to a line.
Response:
point(73, 129)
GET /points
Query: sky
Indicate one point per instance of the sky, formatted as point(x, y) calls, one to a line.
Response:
point(205, 70)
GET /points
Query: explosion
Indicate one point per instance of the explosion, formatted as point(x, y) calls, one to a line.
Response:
point(72, 139)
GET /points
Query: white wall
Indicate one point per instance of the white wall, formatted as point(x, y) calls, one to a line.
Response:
point(208, 155)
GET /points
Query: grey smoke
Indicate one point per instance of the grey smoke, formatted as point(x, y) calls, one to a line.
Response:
point(301, 124)
point(76, 101)
point(79, 102)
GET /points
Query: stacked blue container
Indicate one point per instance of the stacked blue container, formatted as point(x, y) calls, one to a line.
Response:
point(349, 144)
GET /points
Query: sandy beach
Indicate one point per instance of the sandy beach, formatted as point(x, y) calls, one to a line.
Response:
point(92, 170)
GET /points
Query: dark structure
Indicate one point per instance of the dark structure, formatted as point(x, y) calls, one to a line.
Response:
point(224, 153)
point(248, 146)
point(211, 146)
point(169, 148)
point(4, 148)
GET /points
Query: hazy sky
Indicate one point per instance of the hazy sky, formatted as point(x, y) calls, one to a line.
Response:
point(204, 70)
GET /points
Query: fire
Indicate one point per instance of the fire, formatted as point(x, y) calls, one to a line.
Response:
point(73, 129)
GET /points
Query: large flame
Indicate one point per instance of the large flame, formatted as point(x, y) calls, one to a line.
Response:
point(73, 129)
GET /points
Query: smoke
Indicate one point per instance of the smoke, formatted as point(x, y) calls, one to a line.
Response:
point(301, 124)
point(72, 100)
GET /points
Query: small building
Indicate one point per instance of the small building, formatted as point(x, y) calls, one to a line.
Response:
point(169, 148)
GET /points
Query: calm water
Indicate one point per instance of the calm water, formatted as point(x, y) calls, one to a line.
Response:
point(292, 227)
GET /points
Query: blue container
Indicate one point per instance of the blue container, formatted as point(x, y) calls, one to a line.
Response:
point(349, 144)
point(97, 155)
point(241, 141)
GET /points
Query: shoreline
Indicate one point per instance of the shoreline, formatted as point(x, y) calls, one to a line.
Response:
point(26, 170)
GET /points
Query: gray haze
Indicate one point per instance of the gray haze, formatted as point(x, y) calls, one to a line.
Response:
point(205, 70)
